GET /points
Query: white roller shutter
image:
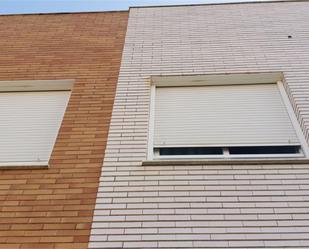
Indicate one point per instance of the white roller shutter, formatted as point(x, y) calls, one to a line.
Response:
point(221, 116)
point(29, 124)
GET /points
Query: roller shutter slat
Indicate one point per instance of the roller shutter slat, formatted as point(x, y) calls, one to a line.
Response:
point(29, 124)
point(221, 116)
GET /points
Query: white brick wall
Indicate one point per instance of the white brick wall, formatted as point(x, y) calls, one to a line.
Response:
point(199, 206)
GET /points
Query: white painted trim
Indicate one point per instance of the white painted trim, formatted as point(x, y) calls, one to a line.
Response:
point(229, 156)
point(293, 118)
point(24, 164)
point(224, 145)
point(151, 120)
point(239, 162)
point(36, 85)
point(226, 152)
point(217, 79)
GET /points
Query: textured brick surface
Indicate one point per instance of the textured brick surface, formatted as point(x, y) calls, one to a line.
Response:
point(198, 206)
point(53, 208)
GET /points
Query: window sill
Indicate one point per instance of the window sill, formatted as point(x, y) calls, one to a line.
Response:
point(225, 161)
point(24, 165)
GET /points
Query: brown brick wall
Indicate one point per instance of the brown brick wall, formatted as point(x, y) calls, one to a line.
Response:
point(52, 208)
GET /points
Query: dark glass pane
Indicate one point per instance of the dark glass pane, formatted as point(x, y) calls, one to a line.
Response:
point(191, 151)
point(264, 150)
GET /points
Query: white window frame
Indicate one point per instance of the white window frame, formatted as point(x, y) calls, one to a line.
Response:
point(223, 79)
point(33, 86)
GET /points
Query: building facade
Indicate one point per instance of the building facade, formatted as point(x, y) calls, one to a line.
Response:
point(202, 144)
point(53, 207)
point(146, 203)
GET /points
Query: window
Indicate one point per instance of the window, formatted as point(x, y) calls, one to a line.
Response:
point(31, 113)
point(223, 118)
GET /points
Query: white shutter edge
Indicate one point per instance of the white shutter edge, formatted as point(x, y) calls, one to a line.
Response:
point(151, 120)
point(36, 85)
point(293, 118)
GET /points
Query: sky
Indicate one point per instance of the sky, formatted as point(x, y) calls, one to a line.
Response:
point(54, 6)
